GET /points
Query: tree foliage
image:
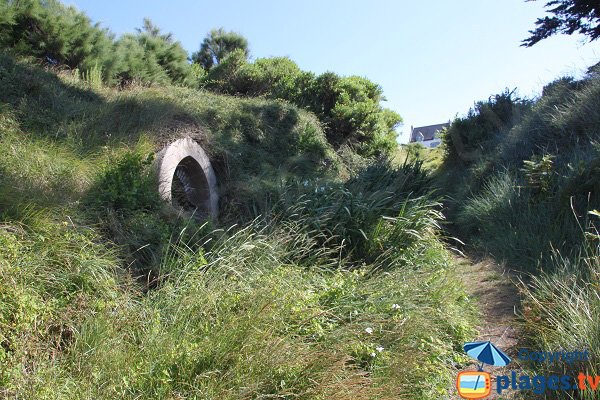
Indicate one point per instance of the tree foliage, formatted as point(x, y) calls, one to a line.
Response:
point(150, 56)
point(61, 35)
point(217, 45)
point(468, 136)
point(569, 16)
point(348, 107)
point(48, 30)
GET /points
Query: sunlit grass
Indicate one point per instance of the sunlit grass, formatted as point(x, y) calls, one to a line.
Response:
point(298, 292)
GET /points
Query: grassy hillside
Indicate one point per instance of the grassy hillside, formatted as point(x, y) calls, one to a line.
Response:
point(528, 173)
point(524, 184)
point(324, 277)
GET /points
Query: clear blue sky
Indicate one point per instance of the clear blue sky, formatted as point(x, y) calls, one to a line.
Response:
point(432, 58)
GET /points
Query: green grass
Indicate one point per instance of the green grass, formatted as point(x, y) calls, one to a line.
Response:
point(318, 259)
point(525, 198)
point(239, 322)
point(432, 158)
point(560, 309)
point(531, 184)
point(259, 142)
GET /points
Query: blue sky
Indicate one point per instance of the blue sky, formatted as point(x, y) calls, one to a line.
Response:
point(432, 58)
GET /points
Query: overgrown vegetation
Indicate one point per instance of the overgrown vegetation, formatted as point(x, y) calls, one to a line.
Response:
point(63, 36)
point(324, 277)
point(560, 308)
point(528, 176)
point(348, 107)
point(524, 181)
point(217, 45)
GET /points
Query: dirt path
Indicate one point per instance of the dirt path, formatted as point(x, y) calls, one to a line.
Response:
point(491, 288)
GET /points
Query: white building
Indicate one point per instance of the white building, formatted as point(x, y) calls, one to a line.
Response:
point(428, 136)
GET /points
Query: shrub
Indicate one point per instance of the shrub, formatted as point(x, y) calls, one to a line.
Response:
point(126, 185)
point(349, 108)
point(61, 35)
point(517, 194)
point(222, 77)
point(152, 57)
point(56, 34)
point(276, 77)
point(217, 45)
point(381, 210)
point(473, 136)
point(539, 174)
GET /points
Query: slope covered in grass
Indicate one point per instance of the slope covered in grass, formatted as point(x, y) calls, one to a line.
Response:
point(524, 179)
point(524, 175)
point(323, 278)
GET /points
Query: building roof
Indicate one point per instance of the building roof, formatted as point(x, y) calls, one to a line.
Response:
point(428, 131)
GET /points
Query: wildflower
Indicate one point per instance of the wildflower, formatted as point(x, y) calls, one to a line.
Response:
point(373, 354)
point(379, 348)
point(395, 306)
point(369, 331)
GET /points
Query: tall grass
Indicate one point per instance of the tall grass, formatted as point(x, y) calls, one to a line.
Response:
point(369, 215)
point(560, 310)
point(53, 272)
point(240, 322)
point(244, 316)
point(526, 198)
point(518, 197)
point(312, 285)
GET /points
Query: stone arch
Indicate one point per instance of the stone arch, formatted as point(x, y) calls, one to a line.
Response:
point(186, 179)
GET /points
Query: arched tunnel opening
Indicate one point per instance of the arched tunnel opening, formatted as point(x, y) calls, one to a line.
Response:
point(189, 189)
point(186, 180)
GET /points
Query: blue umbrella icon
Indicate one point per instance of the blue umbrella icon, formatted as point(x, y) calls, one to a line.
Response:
point(487, 353)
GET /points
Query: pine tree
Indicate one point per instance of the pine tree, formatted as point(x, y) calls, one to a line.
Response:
point(217, 45)
point(570, 16)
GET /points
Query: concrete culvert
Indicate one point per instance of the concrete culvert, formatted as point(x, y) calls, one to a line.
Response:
point(186, 179)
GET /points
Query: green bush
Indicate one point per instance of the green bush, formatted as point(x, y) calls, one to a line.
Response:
point(221, 77)
point(472, 137)
point(382, 210)
point(539, 174)
point(126, 185)
point(530, 173)
point(56, 34)
point(277, 77)
point(348, 107)
point(61, 35)
point(151, 57)
point(358, 119)
point(218, 45)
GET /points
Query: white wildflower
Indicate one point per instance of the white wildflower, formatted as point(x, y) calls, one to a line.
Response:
point(369, 331)
point(379, 348)
point(395, 306)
